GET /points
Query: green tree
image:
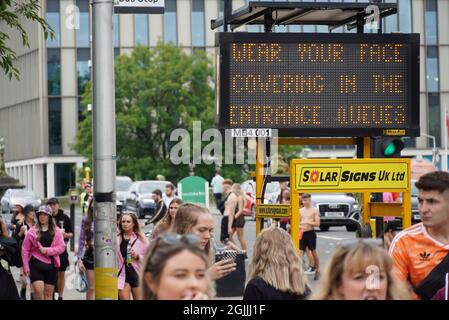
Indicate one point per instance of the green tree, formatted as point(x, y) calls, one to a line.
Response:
point(10, 14)
point(157, 90)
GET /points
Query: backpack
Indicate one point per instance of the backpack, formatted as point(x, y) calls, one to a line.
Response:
point(10, 246)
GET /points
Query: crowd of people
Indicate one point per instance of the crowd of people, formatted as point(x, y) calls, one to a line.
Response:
point(178, 260)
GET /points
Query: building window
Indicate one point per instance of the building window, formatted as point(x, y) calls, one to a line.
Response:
point(83, 34)
point(64, 178)
point(54, 126)
point(294, 28)
point(253, 28)
point(432, 78)
point(433, 100)
point(141, 29)
point(390, 23)
point(198, 23)
point(116, 31)
point(170, 25)
point(81, 108)
point(431, 22)
point(52, 18)
point(54, 72)
point(405, 16)
point(82, 68)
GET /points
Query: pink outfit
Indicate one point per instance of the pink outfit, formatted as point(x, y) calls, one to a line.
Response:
point(140, 247)
point(30, 248)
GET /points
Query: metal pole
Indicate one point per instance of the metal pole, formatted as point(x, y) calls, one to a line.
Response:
point(72, 220)
point(227, 14)
point(104, 151)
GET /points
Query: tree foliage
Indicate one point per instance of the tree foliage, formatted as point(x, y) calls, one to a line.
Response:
point(157, 90)
point(10, 14)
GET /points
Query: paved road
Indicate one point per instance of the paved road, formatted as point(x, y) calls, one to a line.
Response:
point(326, 244)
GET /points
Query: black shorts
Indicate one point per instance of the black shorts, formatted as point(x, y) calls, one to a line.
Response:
point(224, 228)
point(64, 259)
point(240, 221)
point(88, 259)
point(308, 240)
point(132, 278)
point(36, 274)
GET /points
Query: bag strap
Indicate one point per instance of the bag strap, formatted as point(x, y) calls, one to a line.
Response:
point(124, 260)
point(434, 281)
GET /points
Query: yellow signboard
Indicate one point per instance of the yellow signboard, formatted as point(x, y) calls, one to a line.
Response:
point(272, 211)
point(350, 175)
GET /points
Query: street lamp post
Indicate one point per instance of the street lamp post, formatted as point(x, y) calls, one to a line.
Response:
point(104, 158)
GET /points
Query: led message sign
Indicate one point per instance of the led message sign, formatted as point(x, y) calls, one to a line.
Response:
point(319, 84)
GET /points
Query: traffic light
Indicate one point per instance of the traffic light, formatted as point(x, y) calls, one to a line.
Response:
point(387, 147)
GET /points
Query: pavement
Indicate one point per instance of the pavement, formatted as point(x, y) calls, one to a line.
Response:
point(325, 246)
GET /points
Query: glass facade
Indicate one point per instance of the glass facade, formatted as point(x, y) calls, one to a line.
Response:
point(405, 16)
point(52, 18)
point(64, 178)
point(170, 23)
point(54, 126)
point(431, 22)
point(54, 71)
point(82, 68)
point(141, 29)
point(432, 78)
point(434, 120)
point(83, 33)
point(198, 24)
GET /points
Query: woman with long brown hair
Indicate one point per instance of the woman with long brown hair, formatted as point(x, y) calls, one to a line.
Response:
point(197, 220)
point(40, 254)
point(166, 223)
point(85, 253)
point(131, 248)
point(276, 270)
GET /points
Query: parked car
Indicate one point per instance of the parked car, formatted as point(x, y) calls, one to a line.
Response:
point(12, 196)
point(122, 185)
point(416, 218)
point(337, 209)
point(139, 197)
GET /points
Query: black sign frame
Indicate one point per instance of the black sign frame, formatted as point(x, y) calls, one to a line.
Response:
point(412, 128)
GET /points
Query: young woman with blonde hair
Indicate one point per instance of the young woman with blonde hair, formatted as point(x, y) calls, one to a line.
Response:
point(276, 270)
point(239, 217)
point(360, 270)
point(197, 220)
point(175, 268)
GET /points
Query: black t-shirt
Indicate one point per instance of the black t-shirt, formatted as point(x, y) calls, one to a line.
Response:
point(124, 248)
point(63, 221)
point(46, 239)
point(258, 289)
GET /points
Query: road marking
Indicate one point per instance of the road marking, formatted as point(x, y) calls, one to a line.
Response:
point(332, 238)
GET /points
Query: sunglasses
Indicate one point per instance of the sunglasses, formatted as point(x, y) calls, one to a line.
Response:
point(355, 242)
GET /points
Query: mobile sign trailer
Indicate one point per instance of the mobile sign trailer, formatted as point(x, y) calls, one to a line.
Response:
point(316, 89)
point(352, 176)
